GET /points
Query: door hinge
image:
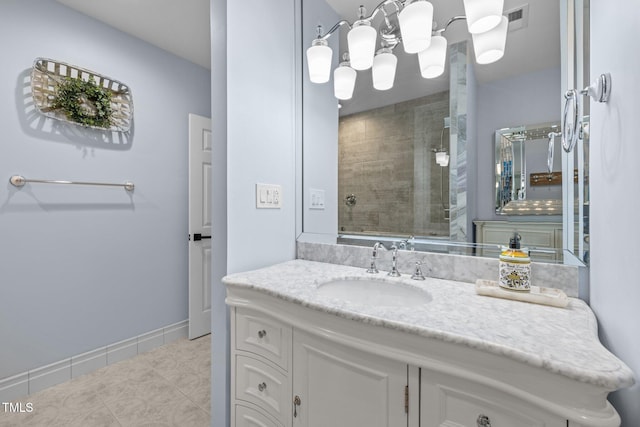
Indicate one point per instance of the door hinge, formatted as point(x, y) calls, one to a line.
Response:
point(406, 399)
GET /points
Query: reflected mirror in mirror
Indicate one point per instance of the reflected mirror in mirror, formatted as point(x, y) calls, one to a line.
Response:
point(529, 170)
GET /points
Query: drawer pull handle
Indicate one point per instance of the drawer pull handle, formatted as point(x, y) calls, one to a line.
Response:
point(296, 403)
point(262, 333)
point(483, 421)
point(262, 386)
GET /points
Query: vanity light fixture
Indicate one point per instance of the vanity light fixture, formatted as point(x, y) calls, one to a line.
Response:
point(344, 79)
point(482, 15)
point(319, 59)
point(442, 158)
point(409, 22)
point(489, 46)
point(384, 69)
point(361, 40)
point(416, 20)
point(432, 59)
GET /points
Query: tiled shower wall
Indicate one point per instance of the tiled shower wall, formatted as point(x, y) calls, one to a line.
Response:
point(386, 161)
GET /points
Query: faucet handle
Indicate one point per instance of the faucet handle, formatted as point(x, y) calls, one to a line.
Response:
point(417, 274)
point(372, 268)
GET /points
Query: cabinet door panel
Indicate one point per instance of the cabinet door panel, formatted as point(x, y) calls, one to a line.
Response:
point(342, 387)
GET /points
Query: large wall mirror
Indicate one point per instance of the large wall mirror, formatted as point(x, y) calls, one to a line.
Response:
point(419, 160)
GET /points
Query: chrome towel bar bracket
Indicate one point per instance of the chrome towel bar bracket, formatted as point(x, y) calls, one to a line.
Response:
point(19, 181)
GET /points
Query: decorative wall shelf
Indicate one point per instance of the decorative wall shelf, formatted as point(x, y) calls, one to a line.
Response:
point(47, 75)
point(545, 178)
point(553, 178)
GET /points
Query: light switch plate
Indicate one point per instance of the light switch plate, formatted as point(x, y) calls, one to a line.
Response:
point(316, 198)
point(268, 196)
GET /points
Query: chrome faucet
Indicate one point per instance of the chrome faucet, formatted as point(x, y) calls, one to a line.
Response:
point(372, 268)
point(394, 270)
point(406, 244)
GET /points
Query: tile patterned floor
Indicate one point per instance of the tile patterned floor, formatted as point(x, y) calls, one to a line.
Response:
point(168, 386)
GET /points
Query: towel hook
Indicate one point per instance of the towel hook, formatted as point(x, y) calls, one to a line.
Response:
point(599, 90)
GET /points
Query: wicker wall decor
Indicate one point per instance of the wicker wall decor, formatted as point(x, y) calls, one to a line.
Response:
point(48, 77)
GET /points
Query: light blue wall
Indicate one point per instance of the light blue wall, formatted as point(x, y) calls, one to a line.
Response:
point(528, 99)
point(260, 70)
point(261, 112)
point(614, 157)
point(83, 267)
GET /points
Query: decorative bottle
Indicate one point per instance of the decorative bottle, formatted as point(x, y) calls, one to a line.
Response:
point(515, 267)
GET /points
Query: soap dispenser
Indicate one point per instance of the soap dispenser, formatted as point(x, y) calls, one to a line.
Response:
point(515, 267)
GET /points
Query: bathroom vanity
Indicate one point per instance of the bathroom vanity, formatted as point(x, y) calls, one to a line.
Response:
point(317, 344)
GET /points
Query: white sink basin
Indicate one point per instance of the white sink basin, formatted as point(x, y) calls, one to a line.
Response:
point(375, 292)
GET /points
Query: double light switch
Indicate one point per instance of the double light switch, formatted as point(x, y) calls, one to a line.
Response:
point(268, 196)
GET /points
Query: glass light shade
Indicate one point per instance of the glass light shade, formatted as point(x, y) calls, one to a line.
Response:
point(482, 15)
point(433, 58)
point(489, 46)
point(442, 157)
point(384, 69)
point(319, 61)
point(416, 22)
point(344, 81)
point(362, 45)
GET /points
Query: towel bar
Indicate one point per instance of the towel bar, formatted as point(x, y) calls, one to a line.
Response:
point(20, 181)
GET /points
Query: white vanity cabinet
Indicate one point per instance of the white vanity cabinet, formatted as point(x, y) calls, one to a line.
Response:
point(301, 359)
point(287, 377)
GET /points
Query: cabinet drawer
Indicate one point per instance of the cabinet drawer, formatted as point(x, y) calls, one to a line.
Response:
point(264, 336)
point(453, 402)
point(259, 383)
point(247, 417)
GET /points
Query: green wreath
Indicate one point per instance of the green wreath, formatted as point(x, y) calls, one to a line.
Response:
point(84, 102)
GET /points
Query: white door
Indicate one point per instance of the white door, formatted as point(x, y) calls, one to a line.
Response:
point(199, 226)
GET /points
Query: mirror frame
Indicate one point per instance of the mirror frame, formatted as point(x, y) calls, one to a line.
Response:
point(514, 204)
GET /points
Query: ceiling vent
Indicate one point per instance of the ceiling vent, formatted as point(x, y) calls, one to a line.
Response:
point(518, 17)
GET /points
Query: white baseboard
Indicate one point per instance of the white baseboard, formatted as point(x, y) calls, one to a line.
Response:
point(37, 379)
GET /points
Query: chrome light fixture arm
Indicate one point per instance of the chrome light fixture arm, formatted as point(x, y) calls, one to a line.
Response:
point(380, 7)
point(451, 21)
point(333, 29)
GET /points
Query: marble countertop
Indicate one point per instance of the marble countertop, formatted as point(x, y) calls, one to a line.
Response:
point(561, 340)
